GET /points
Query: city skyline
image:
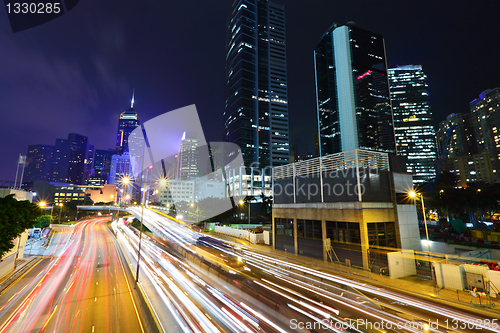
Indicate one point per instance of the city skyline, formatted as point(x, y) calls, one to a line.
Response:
point(256, 100)
point(82, 84)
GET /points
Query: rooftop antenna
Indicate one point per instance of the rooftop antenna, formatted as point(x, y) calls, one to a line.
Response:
point(132, 102)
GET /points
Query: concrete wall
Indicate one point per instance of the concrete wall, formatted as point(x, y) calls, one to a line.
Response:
point(449, 248)
point(401, 264)
point(7, 265)
point(494, 280)
point(450, 276)
point(409, 232)
point(24, 238)
point(267, 237)
point(19, 194)
point(240, 233)
point(360, 212)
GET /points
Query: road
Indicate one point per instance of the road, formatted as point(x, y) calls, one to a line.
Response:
point(84, 288)
point(271, 294)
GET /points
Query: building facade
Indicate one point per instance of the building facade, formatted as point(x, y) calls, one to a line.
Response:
point(456, 136)
point(485, 122)
point(353, 99)
point(350, 206)
point(121, 167)
point(127, 123)
point(468, 139)
point(188, 159)
point(177, 191)
point(70, 155)
point(414, 131)
point(471, 168)
point(39, 163)
point(101, 166)
point(256, 99)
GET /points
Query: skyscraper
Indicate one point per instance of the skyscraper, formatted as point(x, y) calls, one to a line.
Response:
point(69, 159)
point(127, 123)
point(353, 100)
point(461, 140)
point(188, 158)
point(102, 166)
point(415, 134)
point(256, 100)
point(39, 163)
point(485, 121)
point(121, 168)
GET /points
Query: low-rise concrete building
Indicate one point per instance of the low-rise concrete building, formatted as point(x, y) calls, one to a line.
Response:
point(351, 207)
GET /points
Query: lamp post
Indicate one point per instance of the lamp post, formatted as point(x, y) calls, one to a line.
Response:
point(192, 205)
point(109, 207)
point(42, 205)
point(414, 194)
point(242, 203)
point(126, 181)
point(60, 211)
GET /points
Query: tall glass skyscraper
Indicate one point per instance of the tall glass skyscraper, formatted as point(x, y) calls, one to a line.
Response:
point(189, 157)
point(415, 133)
point(39, 163)
point(127, 123)
point(68, 165)
point(256, 100)
point(353, 100)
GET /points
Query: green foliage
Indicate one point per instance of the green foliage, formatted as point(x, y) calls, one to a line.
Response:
point(172, 211)
point(42, 221)
point(15, 217)
point(137, 224)
point(472, 203)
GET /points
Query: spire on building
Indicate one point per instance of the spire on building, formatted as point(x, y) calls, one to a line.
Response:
point(133, 96)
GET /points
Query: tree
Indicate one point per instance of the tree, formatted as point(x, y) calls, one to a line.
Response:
point(42, 221)
point(15, 217)
point(172, 211)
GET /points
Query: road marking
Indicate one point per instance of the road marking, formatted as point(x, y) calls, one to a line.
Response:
point(128, 286)
point(49, 317)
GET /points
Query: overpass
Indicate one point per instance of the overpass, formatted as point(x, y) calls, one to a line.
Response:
point(101, 208)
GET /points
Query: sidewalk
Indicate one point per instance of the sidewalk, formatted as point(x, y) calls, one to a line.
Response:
point(413, 285)
point(22, 266)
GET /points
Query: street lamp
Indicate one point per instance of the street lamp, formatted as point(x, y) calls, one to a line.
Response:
point(42, 205)
point(192, 205)
point(414, 194)
point(60, 211)
point(109, 207)
point(242, 203)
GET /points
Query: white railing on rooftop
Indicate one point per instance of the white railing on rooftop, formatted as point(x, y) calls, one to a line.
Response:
point(349, 159)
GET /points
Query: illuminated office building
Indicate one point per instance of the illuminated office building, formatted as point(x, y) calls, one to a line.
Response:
point(415, 134)
point(39, 163)
point(353, 102)
point(188, 158)
point(256, 99)
point(461, 138)
point(485, 122)
point(70, 155)
point(126, 125)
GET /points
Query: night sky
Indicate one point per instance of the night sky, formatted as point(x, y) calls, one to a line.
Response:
point(76, 73)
